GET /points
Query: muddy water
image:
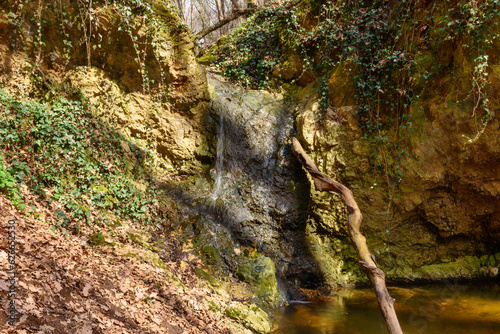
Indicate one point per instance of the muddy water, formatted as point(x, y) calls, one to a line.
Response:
point(435, 309)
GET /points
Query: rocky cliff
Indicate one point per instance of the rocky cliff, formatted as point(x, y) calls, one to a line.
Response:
point(133, 60)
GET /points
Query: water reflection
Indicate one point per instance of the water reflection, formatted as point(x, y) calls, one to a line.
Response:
point(435, 309)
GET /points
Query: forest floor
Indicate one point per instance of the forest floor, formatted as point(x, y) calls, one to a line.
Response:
point(64, 284)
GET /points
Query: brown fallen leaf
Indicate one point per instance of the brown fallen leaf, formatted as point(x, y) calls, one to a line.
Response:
point(57, 287)
point(86, 289)
point(3, 285)
point(124, 285)
point(3, 257)
point(87, 329)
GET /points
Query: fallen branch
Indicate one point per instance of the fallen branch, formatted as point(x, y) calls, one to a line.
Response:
point(237, 12)
point(365, 258)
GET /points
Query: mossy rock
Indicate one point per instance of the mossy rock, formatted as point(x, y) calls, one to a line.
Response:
point(212, 306)
point(469, 267)
point(250, 316)
point(234, 313)
point(98, 239)
point(210, 256)
point(206, 276)
point(261, 275)
point(144, 255)
point(215, 245)
point(142, 241)
point(207, 58)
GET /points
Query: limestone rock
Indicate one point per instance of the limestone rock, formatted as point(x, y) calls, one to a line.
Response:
point(138, 116)
point(250, 316)
point(446, 207)
point(260, 273)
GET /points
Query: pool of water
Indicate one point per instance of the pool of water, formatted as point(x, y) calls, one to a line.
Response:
point(435, 309)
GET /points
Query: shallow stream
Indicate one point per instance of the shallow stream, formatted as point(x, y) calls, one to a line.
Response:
point(431, 309)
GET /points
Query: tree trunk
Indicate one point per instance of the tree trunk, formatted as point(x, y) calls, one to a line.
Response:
point(365, 258)
point(180, 6)
point(220, 9)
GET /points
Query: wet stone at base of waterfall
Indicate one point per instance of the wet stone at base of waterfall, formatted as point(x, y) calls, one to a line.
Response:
point(260, 274)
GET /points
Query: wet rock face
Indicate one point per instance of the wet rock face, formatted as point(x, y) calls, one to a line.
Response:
point(261, 196)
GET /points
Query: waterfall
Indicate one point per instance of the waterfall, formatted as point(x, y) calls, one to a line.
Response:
point(219, 163)
point(251, 197)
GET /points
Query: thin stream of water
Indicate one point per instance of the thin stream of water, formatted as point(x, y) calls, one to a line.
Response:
point(219, 164)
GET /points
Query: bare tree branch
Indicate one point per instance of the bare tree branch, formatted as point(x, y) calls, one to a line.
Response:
point(180, 6)
point(237, 13)
point(235, 4)
point(219, 9)
point(365, 258)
